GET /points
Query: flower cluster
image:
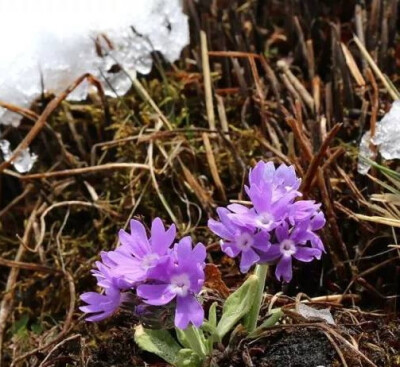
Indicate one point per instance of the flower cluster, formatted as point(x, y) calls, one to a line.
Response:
point(160, 271)
point(276, 228)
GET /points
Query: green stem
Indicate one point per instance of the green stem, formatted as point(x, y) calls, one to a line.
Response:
point(250, 320)
point(195, 341)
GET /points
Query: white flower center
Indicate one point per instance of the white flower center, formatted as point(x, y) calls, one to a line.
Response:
point(149, 260)
point(245, 241)
point(180, 284)
point(288, 247)
point(265, 220)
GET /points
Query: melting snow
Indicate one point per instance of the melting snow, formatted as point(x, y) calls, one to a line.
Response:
point(50, 43)
point(24, 161)
point(387, 138)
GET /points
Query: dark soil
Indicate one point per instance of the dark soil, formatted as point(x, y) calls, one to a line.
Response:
point(296, 348)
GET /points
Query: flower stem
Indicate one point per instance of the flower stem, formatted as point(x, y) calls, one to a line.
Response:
point(195, 341)
point(250, 321)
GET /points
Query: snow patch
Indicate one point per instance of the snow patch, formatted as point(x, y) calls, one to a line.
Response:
point(50, 43)
point(23, 162)
point(387, 139)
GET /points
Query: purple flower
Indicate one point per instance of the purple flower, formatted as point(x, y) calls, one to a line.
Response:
point(239, 240)
point(106, 275)
point(267, 213)
point(101, 306)
point(302, 210)
point(290, 243)
point(282, 180)
point(138, 254)
point(179, 277)
point(316, 222)
point(246, 231)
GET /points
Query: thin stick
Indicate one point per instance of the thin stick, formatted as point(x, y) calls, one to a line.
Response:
point(207, 80)
point(213, 166)
point(6, 303)
point(77, 171)
point(393, 93)
point(222, 115)
point(20, 111)
point(316, 160)
point(41, 121)
point(27, 190)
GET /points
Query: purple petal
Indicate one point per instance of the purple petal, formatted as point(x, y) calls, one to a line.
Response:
point(246, 220)
point(249, 258)
point(281, 207)
point(286, 175)
point(138, 232)
point(183, 249)
point(102, 305)
point(162, 270)
point(307, 254)
point(135, 245)
point(282, 232)
point(261, 241)
point(300, 233)
point(238, 208)
point(273, 254)
point(199, 253)
point(91, 297)
point(256, 174)
point(156, 294)
point(220, 229)
point(316, 242)
point(230, 249)
point(318, 221)
point(161, 239)
point(284, 269)
point(106, 260)
point(261, 199)
point(131, 274)
point(188, 309)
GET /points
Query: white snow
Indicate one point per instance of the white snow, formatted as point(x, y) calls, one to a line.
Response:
point(364, 152)
point(51, 43)
point(386, 138)
point(24, 161)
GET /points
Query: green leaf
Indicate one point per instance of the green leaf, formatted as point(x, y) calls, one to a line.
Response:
point(182, 338)
point(187, 358)
point(210, 327)
point(37, 328)
point(20, 326)
point(271, 321)
point(237, 305)
point(212, 315)
point(159, 342)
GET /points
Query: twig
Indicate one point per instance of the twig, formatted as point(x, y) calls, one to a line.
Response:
point(61, 204)
point(393, 93)
point(41, 121)
point(16, 200)
point(72, 337)
point(207, 80)
point(213, 166)
point(316, 160)
point(77, 171)
point(6, 303)
point(305, 96)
